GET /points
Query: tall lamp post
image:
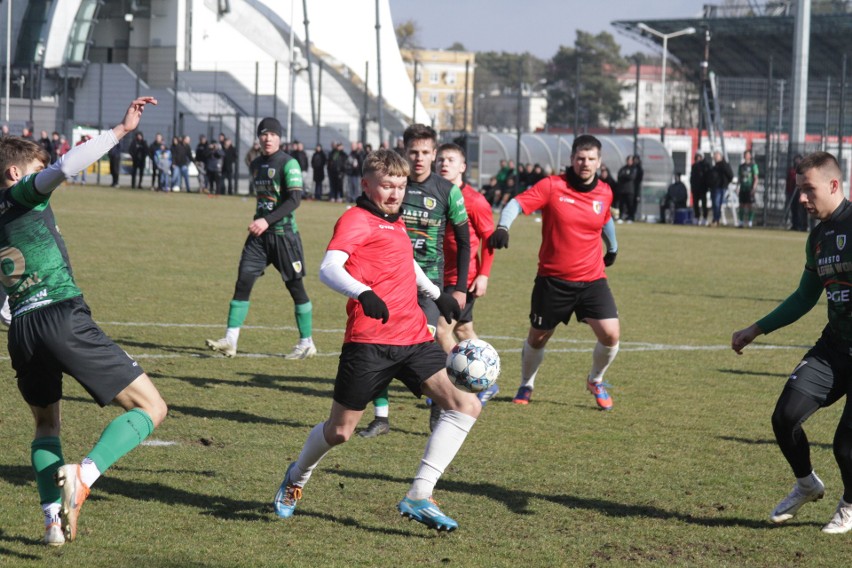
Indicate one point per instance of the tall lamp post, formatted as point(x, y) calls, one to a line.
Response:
point(665, 37)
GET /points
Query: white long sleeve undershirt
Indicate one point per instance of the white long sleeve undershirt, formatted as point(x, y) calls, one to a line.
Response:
point(334, 275)
point(77, 159)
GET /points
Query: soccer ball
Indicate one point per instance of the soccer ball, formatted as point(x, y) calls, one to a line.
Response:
point(473, 365)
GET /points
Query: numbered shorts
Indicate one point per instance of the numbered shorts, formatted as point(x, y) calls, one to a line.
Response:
point(62, 338)
point(554, 301)
point(825, 373)
point(366, 369)
point(283, 251)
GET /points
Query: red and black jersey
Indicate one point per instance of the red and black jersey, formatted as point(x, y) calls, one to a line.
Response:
point(571, 227)
point(481, 221)
point(380, 256)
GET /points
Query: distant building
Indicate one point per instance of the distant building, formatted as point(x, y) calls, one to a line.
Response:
point(440, 85)
point(681, 98)
point(499, 111)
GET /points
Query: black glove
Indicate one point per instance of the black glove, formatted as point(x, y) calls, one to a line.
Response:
point(499, 239)
point(448, 307)
point(374, 307)
point(609, 258)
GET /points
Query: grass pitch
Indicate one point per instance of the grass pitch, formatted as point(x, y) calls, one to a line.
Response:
point(684, 470)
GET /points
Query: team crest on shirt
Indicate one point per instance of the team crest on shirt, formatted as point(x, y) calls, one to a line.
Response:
point(270, 173)
point(841, 242)
point(597, 207)
point(297, 266)
point(429, 203)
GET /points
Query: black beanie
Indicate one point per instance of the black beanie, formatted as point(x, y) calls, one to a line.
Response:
point(269, 124)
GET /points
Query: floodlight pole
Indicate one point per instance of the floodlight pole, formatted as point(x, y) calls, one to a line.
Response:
point(665, 37)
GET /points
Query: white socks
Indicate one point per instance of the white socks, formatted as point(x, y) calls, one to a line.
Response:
point(531, 359)
point(313, 451)
point(602, 356)
point(89, 472)
point(381, 411)
point(809, 482)
point(232, 334)
point(441, 448)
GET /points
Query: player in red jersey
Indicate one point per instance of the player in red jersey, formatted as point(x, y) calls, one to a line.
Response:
point(451, 164)
point(370, 259)
point(571, 278)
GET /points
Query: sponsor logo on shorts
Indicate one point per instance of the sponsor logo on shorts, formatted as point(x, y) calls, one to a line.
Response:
point(841, 242)
point(297, 266)
point(794, 376)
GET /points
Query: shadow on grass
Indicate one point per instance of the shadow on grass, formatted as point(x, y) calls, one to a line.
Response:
point(191, 349)
point(213, 505)
point(518, 502)
point(349, 522)
point(673, 293)
point(770, 442)
point(232, 415)
point(7, 553)
point(743, 372)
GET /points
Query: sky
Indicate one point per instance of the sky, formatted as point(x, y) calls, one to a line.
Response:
point(535, 26)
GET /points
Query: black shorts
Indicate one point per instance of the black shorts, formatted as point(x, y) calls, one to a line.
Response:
point(825, 373)
point(554, 300)
point(283, 251)
point(467, 313)
point(366, 369)
point(62, 338)
point(430, 308)
point(745, 197)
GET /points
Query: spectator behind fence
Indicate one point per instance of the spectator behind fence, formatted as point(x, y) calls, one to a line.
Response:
point(229, 167)
point(253, 153)
point(626, 191)
point(676, 197)
point(336, 163)
point(798, 217)
point(138, 154)
point(718, 179)
point(115, 163)
point(152, 149)
point(213, 167)
point(202, 152)
point(637, 187)
point(297, 152)
point(47, 144)
point(318, 163)
point(163, 165)
point(698, 184)
point(181, 157)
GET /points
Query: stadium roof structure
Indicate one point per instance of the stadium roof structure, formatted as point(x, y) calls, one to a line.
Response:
point(742, 45)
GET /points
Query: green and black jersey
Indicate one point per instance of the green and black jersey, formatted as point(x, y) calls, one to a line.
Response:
point(427, 209)
point(829, 255)
point(828, 270)
point(747, 174)
point(274, 177)
point(34, 266)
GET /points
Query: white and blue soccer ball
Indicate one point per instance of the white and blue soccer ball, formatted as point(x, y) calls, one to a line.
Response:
point(473, 365)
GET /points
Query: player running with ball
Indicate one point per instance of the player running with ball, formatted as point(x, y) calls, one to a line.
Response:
point(371, 261)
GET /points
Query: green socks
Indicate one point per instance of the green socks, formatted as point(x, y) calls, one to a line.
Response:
point(120, 436)
point(46, 457)
point(304, 319)
point(237, 313)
